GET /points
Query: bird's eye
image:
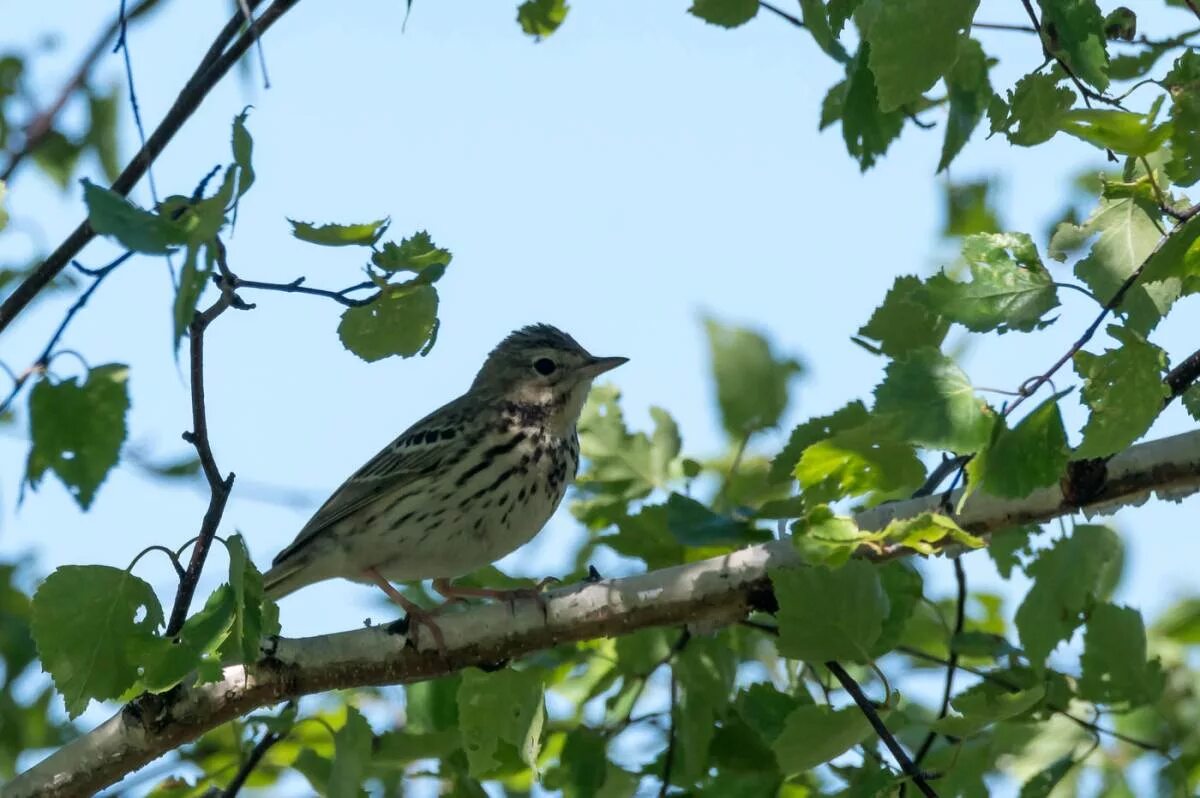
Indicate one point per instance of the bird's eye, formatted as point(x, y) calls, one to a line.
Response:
point(544, 366)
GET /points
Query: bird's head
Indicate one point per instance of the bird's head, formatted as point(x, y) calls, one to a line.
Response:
point(542, 366)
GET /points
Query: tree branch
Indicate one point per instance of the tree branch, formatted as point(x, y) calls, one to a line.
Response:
point(219, 487)
point(43, 123)
point(720, 590)
point(910, 768)
point(216, 62)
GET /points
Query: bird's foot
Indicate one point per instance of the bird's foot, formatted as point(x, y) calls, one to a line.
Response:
point(535, 592)
point(414, 615)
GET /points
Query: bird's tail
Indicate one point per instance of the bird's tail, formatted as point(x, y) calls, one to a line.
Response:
point(284, 578)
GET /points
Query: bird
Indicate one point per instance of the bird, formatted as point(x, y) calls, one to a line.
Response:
point(467, 484)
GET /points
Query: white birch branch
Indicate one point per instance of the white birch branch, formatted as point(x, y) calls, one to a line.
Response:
point(721, 590)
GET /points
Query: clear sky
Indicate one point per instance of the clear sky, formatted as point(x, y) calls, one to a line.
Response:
point(634, 172)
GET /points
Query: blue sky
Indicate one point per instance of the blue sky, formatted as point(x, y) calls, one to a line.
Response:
point(622, 179)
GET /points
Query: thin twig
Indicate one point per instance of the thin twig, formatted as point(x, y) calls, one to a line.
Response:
point(43, 360)
point(779, 12)
point(297, 287)
point(960, 603)
point(1004, 26)
point(1183, 376)
point(122, 46)
point(898, 753)
point(1087, 93)
point(219, 486)
point(256, 754)
point(43, 123)
point(1000, 681)
point(669, 759)
point(216, 63)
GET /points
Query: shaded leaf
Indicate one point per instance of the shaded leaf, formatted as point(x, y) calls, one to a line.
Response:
point(725, 13)
point(111, 214)
point(1031, 455)
point(415, 253)
point(830, 614)
point(906, 320)
point(1074, 31)
point(866, 128)
point(752, 381)
point(914, 43)
point(351, 753)
point(77, 430)
point(540, 18)
point(1067, 578)
point(504, 707)
point(167, 662)
point(968, 90)
point(928, 400)
point(811, 431)
point(815, 734)
point(1114, 665)
point(1125, 391)
point(86, 621)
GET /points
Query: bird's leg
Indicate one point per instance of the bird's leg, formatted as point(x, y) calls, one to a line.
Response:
point(416, 615)
point(510, 595)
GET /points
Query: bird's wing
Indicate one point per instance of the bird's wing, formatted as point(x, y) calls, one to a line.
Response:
point(418, 451)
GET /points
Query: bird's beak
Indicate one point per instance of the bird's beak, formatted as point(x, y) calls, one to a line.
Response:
point(598, 365)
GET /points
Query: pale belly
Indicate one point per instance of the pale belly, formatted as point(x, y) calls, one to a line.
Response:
point(495, 511)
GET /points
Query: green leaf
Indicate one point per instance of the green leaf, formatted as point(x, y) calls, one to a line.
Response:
point(816, 734)
point(340, 235)
point(752, 382)
point(584, 764)
point(399, 321)
point(505, 707)
point(695, 525)
point(913, 44)
point(1121, 131)
point(1044, 782)
point(704, 671)
point(906, 320)
point(111, 214)
point(1035, 107)
point(415, 254)
point(540, 18)
point(969, 209)
point(856, 462)
point(165, 663)
point(811, 431)
point(1125, 391)
point(968, 90)
point(1006, 544)
point(1006, 292)
point(1074, 31)
point(432, 706)
point(904, 587)
point(867, 130)
point(926, 398)
point(246, 582)
point(1120, 23)
point(1114, 665)
point(351, 754)
point(646, 536)
point(1183, 82)
point(1177, 257)
point(243, 151)
point(58, 156)
point(85, 623)
point(765, 710)
point(102, 131)
point(1031, 455)
point(1067, 578)
point(192, 281)
point(816, 20)
point(839, 12)
point(822, 537)
point(77, 430)
point(1191, 401)
point(1127, 234)
point(830, 614)
point(984, 704)
point(725, 13)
